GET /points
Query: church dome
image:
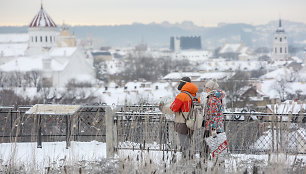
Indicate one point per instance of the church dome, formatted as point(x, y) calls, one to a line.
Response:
point(42, 19)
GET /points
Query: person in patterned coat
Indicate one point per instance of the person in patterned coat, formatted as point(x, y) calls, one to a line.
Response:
point(214, 107)
point(213, 112)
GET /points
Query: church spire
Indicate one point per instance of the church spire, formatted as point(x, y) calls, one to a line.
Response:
point(280, 27)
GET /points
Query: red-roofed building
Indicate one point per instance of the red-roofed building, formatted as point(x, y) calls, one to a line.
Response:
point(42, 33)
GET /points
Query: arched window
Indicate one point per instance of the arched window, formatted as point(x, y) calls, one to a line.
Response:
point(32, 39)
point(50, 38)
point(280, 50)
point(280, 39)
point(35, 38)
point(46, 38)
point(40, 38)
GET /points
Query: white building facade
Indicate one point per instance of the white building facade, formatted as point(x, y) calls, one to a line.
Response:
point(53, 55)
point(280, 44)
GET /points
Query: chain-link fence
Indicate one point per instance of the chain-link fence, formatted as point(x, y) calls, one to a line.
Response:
point(87, 124)
point(144, 127)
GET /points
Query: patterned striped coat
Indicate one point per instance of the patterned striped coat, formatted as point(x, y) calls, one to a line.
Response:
point(214, 110)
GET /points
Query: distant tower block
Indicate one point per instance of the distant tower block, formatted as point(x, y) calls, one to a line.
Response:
point(280, 44)
point(42, 33)
point(185, 43)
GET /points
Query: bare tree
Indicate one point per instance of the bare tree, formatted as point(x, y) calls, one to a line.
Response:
point(147, 67)
point(280, 86)
point(2, 79)
point(233, 85)
point(35, 76)
point(9, 97)
point(18, 78)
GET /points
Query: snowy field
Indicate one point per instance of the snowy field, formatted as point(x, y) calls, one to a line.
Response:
point(90, 157)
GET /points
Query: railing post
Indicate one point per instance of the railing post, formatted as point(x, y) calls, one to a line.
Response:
point(68, 130)
point(39, 138)
point(109, 122)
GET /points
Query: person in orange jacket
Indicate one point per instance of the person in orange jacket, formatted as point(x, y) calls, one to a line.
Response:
point(181, 107)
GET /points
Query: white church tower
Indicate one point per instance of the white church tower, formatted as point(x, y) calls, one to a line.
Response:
point(280, 44)
point(42, 33)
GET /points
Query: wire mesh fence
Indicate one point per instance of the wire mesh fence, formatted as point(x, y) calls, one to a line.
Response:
point(87, 124)
point(145, 140)
point(145, 127)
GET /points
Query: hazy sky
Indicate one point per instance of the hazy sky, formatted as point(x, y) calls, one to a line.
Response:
point(113, 12)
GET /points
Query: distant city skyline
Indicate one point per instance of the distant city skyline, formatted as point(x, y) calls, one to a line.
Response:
point(117, 12)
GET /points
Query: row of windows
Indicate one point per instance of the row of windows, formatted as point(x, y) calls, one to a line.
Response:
point(281, 39)
point(281, 50)
point(43, 39)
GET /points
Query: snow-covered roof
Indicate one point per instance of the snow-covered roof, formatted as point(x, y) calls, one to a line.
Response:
point(244, 50)
point(223, 65)
point(16, 49)
point(13, 44)
point(144, 92)
point(194, 53)
point(179, 75)
point(277, 74)
point(244, 89)
point(49, 109)
point(297, 59)
point(287, 107)
point(216, 75)
point(14, 38)
point(279, 63)
point(197, 76)
point(230, 48)
point(25, 64)
point(42, 19)
point(193, 56)
point(62, 51)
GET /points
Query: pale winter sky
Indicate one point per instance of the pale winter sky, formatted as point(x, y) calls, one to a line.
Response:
point(115, 12)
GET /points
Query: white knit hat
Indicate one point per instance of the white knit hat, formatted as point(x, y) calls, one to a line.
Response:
point(212, 84)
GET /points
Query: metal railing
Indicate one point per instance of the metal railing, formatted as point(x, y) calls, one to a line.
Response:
point(87, 124)
point(143, 127)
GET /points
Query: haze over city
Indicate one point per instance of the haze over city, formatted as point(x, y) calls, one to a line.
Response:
point(117, 12)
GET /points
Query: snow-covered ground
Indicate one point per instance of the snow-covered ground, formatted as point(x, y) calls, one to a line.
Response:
point(55, 155)
point(51, 153)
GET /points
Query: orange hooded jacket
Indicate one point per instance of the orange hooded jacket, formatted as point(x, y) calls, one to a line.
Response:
point(182, 102)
